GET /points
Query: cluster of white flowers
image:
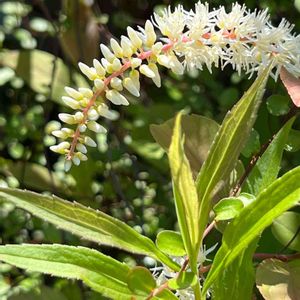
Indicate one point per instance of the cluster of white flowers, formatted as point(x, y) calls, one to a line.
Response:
point(190, 39)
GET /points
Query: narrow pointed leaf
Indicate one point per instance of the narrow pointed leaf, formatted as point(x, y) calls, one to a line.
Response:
point(227, 146)
point(185, 193)
point(100, 272)
point(92, 225)
point(269, 204)
point(267, 167)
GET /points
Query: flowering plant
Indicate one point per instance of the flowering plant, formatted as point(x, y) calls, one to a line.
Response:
point(210, 191)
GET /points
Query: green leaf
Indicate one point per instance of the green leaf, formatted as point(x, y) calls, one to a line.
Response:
point(227, 146)
point(286, 228)
point(278, 105)
point(100, 272)
point(186, 200)
point(253, 219)
point(252, 145)
point(140, 281)
point(228, 208)
point(199, 133)
point(85, 222)
point(183, 281)
point(276, 279)
point(237, 280)
point(170, 242)
point(293, 142)
point(267, 167)
point(36, 67)
point(44, 293)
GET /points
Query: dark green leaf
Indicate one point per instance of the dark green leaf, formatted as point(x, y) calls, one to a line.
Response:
point(278, 105)
point(183, 281)
point(293, 142)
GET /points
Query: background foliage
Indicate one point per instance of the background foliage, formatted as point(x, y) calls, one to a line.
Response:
point(128, 175)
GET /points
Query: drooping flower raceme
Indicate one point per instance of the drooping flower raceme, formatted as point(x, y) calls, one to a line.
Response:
point(190, 39)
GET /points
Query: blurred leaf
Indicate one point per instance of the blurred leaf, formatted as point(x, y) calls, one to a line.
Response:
point(185, 194)
point(292, 84)
point(278, 105)
point(278, 197)
point(183, 281)
point(228, 97)
point(170, 242)
point(287, 227)
point(227, 145)
point(297, 4)
point(44, 293)
point(227, 208)
point(81, 29)
point(293, 142)
point(100, 272)
point(267, 167)
point(276, 279)
point(36, 68)
point(6, 74)
point(199, 133)
point(85, 222)
point(41, 25)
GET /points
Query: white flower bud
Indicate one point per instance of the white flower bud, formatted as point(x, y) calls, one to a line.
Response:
point(96, 127)
point(144, 69)
point(116, 83)
point(135, 62)
point(60, 148)
point(156, 48)
point(176, 65)
point(71, 102)
point(107, 53)
point(59, 134)
point(164, 60)
point(116, 64)
point(78, 116)
point(68, 131)
point(67, 118)
point(90, 73)
point(116, 98)
point(153, 67)
point(93, 114)
point(99, 84)
point(81, 148)
point(126, 46)
point(73, 93)
point(76, 160)
point(116, 48)
point(107, 65)
point(84, 102)
point(68, 165)
point(89, 142)
point(99, 68)
point(81, 156)
point(88, 93)
point(135, 77)
point(82, 128)
point(150, 34)
point(105, 112)
point(130, 86)
point(134, 38)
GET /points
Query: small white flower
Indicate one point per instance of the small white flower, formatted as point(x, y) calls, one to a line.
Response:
point(116, 98)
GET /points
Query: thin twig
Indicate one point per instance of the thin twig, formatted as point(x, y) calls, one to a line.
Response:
point(209, 228)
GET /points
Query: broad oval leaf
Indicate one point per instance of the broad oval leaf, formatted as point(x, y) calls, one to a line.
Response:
point(100, 272)
point(276, 279)
point(183, 281)
point(253, 219)
point(92, 225)
point(293, 142)
point(199, 134)
point(170, 242)
point(286, 229)
point(227, 208)
point(278, 105)
point(140, 281)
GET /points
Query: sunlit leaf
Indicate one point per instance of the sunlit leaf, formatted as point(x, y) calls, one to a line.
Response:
point(170, 242)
